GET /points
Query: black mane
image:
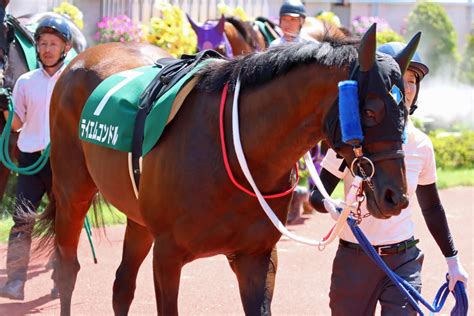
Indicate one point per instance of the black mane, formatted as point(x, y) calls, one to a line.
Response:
point(257, 68)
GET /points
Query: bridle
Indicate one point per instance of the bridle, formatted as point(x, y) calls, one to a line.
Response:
point(356, 166)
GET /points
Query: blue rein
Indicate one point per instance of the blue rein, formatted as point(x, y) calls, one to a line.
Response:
point(459, 293)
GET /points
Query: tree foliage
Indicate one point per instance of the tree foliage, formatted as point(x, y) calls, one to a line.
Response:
point(387, 36)
point(439, 39)
point(467, 65)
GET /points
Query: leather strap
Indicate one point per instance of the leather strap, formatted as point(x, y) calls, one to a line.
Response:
point(384, 249)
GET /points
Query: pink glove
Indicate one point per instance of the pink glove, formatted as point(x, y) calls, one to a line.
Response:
point(456, 272)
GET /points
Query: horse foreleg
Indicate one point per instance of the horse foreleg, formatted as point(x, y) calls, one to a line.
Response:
point(167, 265)
point(256, 276)
point(137, 244)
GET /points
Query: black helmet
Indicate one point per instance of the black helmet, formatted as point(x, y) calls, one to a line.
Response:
point(416, 64)
point(56, 26)
point(293, 8)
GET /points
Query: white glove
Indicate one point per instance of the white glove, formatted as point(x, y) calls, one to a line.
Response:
point(332, 209)
point(456, 272)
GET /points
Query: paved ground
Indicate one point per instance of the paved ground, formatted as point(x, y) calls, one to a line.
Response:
point(208, 287)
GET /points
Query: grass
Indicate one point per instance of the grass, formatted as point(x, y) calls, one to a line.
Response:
point(446, 179)
point(455, 178)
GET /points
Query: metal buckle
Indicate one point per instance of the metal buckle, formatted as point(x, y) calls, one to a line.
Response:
point(380, 248)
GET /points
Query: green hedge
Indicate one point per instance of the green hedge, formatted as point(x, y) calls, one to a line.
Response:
point(453, 150)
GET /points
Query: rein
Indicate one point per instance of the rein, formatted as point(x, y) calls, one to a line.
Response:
point(226, 160)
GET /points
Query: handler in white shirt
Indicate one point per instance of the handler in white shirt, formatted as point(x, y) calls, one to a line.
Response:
point(292, 17)
point(356, 283)
point(31, 98)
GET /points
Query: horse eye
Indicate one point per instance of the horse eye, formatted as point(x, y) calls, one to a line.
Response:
point(373, 111)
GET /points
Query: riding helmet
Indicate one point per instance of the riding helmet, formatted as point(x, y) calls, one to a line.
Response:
point(293, 8)
point(416, 64)
point(56, 26)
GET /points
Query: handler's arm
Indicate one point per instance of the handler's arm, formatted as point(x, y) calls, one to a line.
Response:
point(330, 182)
point(16, 123)
point(435, 218)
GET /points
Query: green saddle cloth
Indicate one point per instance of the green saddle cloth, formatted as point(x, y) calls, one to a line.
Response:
point(108, 118)
point(266, 33)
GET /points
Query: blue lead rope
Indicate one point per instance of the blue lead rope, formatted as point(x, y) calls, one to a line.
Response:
point(461, 306)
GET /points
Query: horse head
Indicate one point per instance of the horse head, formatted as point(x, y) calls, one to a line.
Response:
point(210, 35)
point(382, 116)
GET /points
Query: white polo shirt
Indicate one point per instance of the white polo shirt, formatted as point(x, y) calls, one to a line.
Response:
point(298, 39)
point(420, 169)
point(31, 98)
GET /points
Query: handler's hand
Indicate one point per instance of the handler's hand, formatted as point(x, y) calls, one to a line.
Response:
point(456, 272)
point(332, 209)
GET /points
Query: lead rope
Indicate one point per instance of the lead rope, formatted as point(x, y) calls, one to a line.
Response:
point(4, 142)
point(459, 293)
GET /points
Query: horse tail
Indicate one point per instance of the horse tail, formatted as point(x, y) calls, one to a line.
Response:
point(44, 230)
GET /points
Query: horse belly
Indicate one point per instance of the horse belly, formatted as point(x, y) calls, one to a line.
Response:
point(109, 171)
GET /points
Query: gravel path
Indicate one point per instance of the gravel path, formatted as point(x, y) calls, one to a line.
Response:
point(208, 287)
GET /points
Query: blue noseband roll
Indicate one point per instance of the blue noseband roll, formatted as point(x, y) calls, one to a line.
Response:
point(349, 112)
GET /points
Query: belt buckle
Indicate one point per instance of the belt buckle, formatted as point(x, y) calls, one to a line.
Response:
point(380, 248)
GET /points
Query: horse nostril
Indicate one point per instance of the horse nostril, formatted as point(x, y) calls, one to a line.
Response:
point(395, 200)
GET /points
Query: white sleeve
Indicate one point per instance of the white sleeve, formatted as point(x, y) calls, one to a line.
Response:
point(333, 164)
point(428, 173)
point(19, 99)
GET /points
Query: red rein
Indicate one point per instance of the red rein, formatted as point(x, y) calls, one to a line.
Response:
point(226, 160)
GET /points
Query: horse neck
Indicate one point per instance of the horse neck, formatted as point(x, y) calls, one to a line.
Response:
point(276, 131)
point(236, 40)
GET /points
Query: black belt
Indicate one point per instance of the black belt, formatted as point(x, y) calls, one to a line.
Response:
point(384, 249)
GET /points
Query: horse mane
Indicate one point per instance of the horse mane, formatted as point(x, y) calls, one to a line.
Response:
point(258, 68)
point(245, 30)
point(19, 27)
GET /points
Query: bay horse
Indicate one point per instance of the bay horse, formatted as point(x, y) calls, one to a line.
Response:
point(229, 36)
point(13, 64)
point(187, 207)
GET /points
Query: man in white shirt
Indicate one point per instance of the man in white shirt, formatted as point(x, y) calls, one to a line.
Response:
point(356, 283)
point(292, 17)
point(31, 99)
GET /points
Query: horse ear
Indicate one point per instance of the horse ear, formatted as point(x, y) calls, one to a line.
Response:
point(404, 57)
point(221, 24)
point(367, 49)
point(195, 27)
